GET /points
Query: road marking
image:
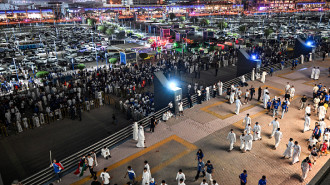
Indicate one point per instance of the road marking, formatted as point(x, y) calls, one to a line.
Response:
point(190, 147)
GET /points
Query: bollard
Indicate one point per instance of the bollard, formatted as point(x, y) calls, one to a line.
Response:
point(29, 123)
point(4, 131)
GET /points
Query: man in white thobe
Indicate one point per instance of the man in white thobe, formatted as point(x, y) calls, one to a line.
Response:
point(238, 105)
point(220, 88)
point(322, 125)
point(247, 120)
point(141, 137)
point(317, 73)
point(322, 112)
point(288, 151)
point(241, 137)
point(276, 125)
point(263, 77)
point(146, 165)
point(19, 126)
point(278, 136)
point(305, 168)
point(145, 177)
point(307, 122)
point(308, 109)
point(302, 59)
point(135, 131)
point(266, 98)
point(257, 132)
point(105, 152)
point(296, 152)
point(207, 89)
point(313, 73)
point(232, 97)
point(248, 142)
point(248, 129)
point(232, 139)
point(287, 87)
point(292, 91)
point(180, 175)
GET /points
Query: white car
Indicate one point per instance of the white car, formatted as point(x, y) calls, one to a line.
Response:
point(88, 59)
point(41, 50)
point(17, 54)
point(52, 58)
point(80, 59)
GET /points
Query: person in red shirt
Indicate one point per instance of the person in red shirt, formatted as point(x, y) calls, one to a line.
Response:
point(324, 148)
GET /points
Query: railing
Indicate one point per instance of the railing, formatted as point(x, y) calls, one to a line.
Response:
point(70, 162)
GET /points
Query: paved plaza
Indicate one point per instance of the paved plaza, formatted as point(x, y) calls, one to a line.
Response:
point(174, 143)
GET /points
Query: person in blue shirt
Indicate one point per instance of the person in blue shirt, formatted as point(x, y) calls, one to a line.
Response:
point(131, 174)
point(152, 182)
point(284, 108)
point(243, 177)
point(327, 98)
point(282, 64)
point(199, 154)
point(319, 86)
point(209, 170)
point(262, 181)
point(275, 108)
point(200, 168)
point(271, 71)
point(269, 105)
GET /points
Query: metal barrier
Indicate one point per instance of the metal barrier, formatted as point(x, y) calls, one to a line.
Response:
point(70, 162)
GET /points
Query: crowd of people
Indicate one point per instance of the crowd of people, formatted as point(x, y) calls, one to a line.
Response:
point(67, 95)
point(318, 142)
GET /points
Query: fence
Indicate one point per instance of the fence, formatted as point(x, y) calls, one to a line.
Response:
point(70, 162)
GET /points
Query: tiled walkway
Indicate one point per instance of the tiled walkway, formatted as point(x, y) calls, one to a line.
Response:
point(174, 143)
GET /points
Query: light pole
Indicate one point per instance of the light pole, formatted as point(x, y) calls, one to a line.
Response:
point(97, 62)
point(106, 59)
point(16, 69)
point(72, 64)
point(55, 49)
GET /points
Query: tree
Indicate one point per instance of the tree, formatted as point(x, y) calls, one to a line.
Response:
point(91, 22)
point(113, 60)
point(42, 74)
point(81, 66)
point(182, 19)
point(109, 31)
point(222, 25)
point(101, 28)
point(242, 29)
point(172, 16)
point(267, 32)
point(204, 22)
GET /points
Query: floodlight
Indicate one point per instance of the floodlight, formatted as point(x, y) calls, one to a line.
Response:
point(172, 86)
